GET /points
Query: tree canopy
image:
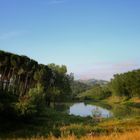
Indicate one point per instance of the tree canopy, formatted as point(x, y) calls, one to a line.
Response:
point(31, 84)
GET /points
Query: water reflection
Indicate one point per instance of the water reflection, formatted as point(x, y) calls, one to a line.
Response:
point(103, 110)
point(82, 109)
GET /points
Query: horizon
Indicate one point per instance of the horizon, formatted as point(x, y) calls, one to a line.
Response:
point(93, 38)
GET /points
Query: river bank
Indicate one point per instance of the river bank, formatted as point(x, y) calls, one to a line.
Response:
point(61, 124)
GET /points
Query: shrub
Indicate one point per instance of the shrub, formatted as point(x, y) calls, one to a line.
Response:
point(33, 103)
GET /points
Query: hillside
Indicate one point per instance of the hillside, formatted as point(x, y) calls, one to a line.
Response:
point(92, 82)
point(97, 92)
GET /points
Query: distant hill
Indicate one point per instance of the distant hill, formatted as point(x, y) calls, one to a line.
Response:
point(92, 82)
point(79, 87)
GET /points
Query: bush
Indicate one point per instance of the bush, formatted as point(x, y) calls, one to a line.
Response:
point(7, 102)
point(96, 93)
point(33, 103)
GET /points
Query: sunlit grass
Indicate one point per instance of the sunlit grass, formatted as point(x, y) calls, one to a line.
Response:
point(104, 129)
point(108, 130)
point(135, 135)
point(67, 127)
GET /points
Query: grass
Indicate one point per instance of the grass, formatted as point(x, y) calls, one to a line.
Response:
point(49, 122)
point(68, 127)
point(134, 135)
point(125, 136)
point(64, 126)
point(133, 102)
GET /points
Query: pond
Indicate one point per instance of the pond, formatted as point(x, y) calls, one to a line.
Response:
point(82, 109)
point(92, 109)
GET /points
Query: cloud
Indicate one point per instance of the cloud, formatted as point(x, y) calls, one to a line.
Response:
point(12, 34)
point(51, 2)
point(125, 66)
point(106, 71)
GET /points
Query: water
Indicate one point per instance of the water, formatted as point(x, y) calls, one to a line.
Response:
point(82, 109)
point(103, 110)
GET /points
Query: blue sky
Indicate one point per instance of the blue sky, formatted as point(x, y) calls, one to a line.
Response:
point(94, 38)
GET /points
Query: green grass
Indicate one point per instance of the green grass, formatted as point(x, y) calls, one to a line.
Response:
point(49, 122)
point(58, 124)
point(132, 104)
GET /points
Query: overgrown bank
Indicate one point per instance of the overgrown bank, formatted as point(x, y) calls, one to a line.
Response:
point(27, 89)
point(123, 88)
point(61, 124)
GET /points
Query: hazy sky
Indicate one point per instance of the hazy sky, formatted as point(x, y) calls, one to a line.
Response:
point(94, 38)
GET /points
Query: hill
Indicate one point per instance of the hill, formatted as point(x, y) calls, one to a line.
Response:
point(92, 82)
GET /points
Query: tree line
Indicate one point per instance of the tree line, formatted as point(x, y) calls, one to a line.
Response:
point(122, 85)
point(126, 84)
point(27, 86)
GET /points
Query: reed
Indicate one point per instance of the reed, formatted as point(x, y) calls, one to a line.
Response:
point(135, 135)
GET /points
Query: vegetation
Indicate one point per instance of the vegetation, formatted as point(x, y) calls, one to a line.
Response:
point(28, 89)
point(60, 126)
point(96, 93)
point(122, 87)
point(92, 82)
point(26, 86)
point(135, 135)
point(77, 88)
point(127, 84)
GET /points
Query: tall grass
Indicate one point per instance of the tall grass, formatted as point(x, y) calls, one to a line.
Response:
point(135, 135)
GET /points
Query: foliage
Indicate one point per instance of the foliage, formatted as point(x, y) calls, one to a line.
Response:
point(62, 82)
point(60, 125)
point(96, 93)
point(78, 87)
point(130, 135)
point(33, 103)
point(26, 88)
point(7, 104)
point(34, 85)
point(127, 84)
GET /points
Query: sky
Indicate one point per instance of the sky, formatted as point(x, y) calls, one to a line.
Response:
point(94, 38)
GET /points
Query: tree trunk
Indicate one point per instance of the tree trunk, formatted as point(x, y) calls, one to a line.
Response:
point(48, 102)
point(3, 78)
point(9, 78)
point(25, 86)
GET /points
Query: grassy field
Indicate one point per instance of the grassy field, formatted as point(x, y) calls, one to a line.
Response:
point(59, 125)
point(134, 135)
point(55, 125)
point(131, 135)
